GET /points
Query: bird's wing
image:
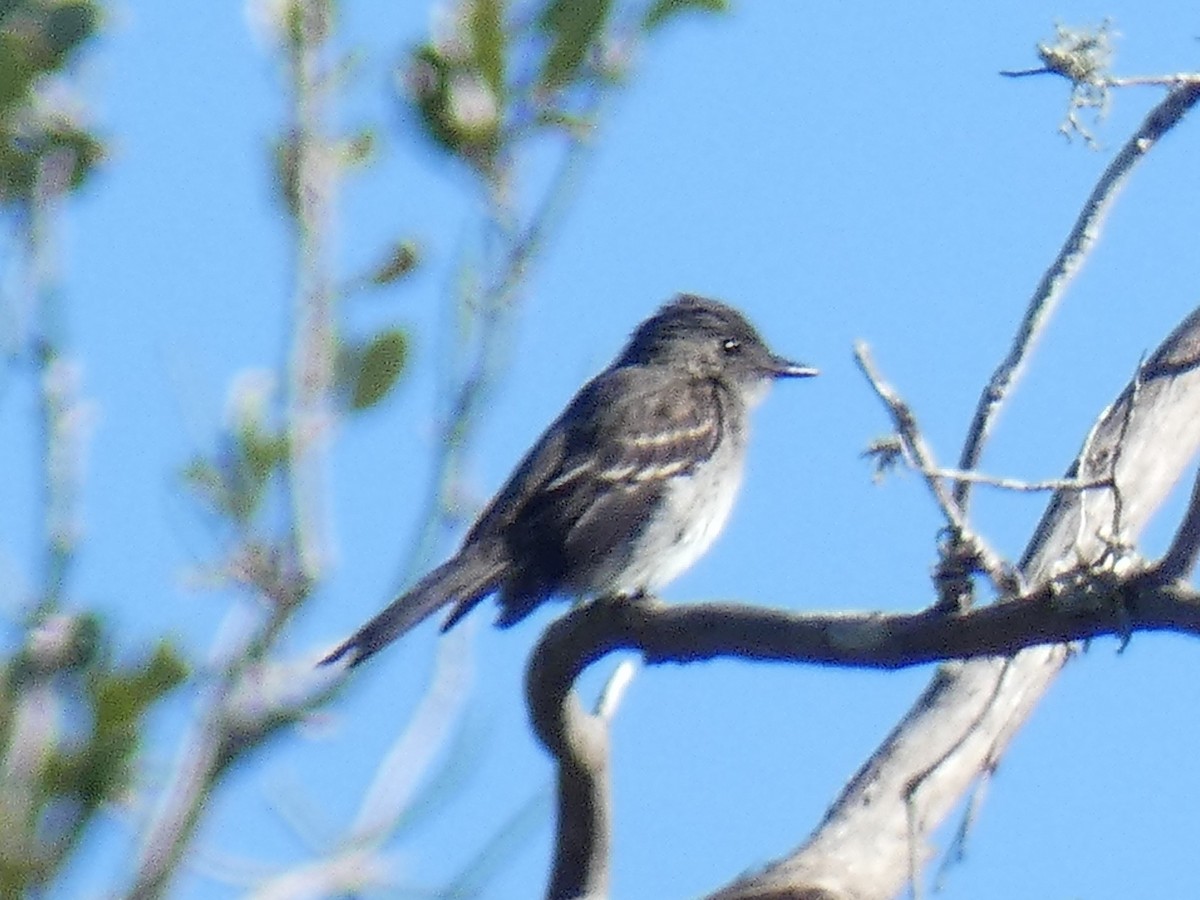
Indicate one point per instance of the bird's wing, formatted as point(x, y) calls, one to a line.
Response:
point(660, 429)
point(590, 484)
point(643, 425)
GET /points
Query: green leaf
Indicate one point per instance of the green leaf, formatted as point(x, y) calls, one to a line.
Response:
point(262, 452)
point(359, 150)
point(259, 454)
point(121, 696)
point(119, 699)
point(70, 24)
point(433, 82)
point(22, 156)
point(402, 259)
point(575, 126)
point(380, 365)
point(573, 26)
point(84, 149)
point(664, 10)
point(234, 482)
point(429, 78)
point(489, 41)
point(17, 73)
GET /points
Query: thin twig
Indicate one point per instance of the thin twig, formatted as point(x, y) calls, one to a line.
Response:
point(1018, 485)
point(178, 814)
point(1168, 81)
point(1135, 387)
point(614, 690)
point(1025, 73)
point(957, 851)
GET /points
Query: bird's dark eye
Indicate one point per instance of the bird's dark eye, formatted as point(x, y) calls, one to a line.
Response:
point(732, 346)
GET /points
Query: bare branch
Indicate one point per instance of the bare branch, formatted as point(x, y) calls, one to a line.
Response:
point(310, 416)
point(579, 742)
point(916, 451)
point(249, 702)
point(701, 632)
point(1026, 73)
point(970, 711)
point(1054, 282)
point(1086, 607)
point(1173, 80)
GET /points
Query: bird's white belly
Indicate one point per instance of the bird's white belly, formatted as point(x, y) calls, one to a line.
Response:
point(693, 511)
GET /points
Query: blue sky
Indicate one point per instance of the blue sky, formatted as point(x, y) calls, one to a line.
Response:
point(839, 174)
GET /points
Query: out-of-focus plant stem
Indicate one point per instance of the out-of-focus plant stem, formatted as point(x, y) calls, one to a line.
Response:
point(310, 414)
point(483, 309)
point(57, 413)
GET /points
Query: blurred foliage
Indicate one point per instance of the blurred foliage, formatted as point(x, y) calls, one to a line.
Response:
point(492, 77)
point(471, 88)
point(251, 455)
point(401, 260)
point(574, 27)
point(368, 371)
point(70, 718)
point(285, 157)
point(39, 137)
point(354, 152)
point(233, 481)
point(664, 11)
point(71, 721)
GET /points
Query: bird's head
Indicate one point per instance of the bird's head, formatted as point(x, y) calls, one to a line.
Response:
point(710, 340)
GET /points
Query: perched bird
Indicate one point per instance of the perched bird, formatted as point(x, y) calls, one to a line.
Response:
point(624, 491)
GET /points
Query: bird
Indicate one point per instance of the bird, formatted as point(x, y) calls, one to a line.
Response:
point(625, 490)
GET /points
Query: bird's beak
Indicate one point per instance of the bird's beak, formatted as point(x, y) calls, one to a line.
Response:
point(785, 368)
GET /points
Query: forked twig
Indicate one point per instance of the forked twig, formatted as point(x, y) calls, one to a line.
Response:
point(920, 457)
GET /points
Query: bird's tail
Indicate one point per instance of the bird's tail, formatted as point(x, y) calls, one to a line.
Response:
point(463, 580)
